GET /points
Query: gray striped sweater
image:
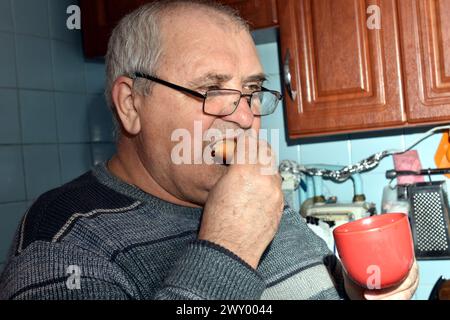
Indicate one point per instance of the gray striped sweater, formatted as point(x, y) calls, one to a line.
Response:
point(100, 238)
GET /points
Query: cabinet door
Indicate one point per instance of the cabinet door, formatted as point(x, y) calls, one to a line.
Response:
point(259, 13)
point(345, 77)
point(426, 36)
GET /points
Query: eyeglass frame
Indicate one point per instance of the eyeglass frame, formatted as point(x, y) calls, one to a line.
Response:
point(204, 96)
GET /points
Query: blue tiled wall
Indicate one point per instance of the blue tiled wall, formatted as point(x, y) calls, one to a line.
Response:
point(54, 124)
point(348, 149)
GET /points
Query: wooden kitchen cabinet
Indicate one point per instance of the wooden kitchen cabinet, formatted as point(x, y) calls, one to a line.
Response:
point(259, 13)
point(344, 77)
point(426, 58)
point(99, 17)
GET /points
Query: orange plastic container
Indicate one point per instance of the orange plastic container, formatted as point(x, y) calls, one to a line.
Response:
point(442, 156)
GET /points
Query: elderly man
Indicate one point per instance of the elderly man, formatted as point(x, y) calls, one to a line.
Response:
point(143, 226)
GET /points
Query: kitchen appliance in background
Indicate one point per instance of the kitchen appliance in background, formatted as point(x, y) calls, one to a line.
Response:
point(324, 215)
point(429, 217)
point(329, 210)
point(395, 199)
point(321, 214)
point(323, 218)
point(428, 210)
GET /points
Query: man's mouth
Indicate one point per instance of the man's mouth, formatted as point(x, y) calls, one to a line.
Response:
point(222, 148)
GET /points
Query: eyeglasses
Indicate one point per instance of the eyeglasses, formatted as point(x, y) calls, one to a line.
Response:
point(224, 102)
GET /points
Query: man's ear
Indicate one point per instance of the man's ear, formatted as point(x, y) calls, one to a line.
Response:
point(122, 96)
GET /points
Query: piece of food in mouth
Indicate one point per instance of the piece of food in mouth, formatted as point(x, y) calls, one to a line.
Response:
point(223, 151)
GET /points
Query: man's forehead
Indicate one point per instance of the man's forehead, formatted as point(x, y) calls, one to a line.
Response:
point(196, 47)
point(189, 29)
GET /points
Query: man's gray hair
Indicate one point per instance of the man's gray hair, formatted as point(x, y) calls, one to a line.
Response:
point(136, 43)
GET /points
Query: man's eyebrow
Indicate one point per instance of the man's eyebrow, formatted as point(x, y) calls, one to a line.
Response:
point(222, 78)
point(260, 77)
point(210, 77)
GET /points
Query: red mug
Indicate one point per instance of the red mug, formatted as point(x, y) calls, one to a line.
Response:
point(376, 252)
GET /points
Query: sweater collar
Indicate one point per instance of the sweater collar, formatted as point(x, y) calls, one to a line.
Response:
point(104, 176)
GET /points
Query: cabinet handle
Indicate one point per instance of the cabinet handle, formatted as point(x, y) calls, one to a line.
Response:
point(288, 78)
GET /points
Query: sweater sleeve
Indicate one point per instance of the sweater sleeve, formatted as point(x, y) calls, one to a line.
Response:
point(57, 271)
point(209, 271)
point(60, 271)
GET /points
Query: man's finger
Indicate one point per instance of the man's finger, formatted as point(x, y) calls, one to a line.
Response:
point(400, 295)
point(408, 286)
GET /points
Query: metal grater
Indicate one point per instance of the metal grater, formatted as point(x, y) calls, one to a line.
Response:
point(429, 219)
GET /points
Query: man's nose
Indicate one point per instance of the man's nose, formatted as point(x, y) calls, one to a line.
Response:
point(243, 115)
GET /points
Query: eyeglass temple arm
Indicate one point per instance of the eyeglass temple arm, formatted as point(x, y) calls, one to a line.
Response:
point(170, 85)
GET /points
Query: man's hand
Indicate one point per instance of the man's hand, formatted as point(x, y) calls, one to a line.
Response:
point(403, 291)
point(244, 208)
